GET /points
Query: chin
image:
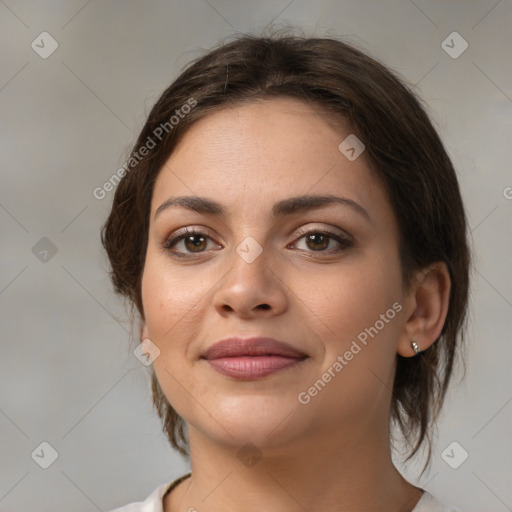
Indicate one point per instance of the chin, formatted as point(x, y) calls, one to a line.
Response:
point(264, 421)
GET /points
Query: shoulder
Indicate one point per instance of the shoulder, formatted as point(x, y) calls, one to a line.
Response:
point(428, 503)
point(154, 502)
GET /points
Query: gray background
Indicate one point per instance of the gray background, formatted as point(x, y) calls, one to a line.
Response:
point(67, 372)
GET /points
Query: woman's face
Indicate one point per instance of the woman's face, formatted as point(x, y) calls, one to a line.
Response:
point(325, 280)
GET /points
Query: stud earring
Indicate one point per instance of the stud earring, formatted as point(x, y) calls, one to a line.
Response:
point(415, 347)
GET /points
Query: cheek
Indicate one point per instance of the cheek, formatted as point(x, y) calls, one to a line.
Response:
point(170, 296)
point(357, 316)
point(363, 313)
point(355, 296)
point(171, 300)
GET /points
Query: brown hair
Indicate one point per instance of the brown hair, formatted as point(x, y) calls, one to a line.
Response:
point(403, 150)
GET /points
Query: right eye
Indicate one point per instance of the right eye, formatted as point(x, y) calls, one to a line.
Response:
point(191, 240)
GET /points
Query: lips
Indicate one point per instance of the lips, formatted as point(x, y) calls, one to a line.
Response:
point(252, 358)
point(239, 347)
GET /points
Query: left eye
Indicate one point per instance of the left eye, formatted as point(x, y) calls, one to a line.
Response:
point(319, 241)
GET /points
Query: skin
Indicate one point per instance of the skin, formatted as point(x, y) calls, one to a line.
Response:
point(332, 453)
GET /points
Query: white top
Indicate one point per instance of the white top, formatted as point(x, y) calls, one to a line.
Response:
point(154, 502)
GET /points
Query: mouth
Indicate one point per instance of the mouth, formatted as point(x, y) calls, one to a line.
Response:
point(253, 358)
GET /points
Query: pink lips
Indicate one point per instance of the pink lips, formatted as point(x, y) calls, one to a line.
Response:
point(252, 358)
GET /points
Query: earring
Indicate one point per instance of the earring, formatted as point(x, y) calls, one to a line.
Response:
point(415, 347)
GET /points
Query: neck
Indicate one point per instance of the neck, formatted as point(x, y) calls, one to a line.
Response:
point(341, 473)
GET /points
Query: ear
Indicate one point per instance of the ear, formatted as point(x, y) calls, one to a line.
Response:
point(427, 306)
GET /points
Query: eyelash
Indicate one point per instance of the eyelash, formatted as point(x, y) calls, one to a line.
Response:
point(345, 243)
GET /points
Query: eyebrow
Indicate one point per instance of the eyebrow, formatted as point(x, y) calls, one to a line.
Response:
point(280, 209)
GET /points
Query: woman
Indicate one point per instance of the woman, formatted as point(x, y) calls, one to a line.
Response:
point(291, 231)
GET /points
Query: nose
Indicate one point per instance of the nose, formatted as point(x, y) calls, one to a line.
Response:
point(250, 289)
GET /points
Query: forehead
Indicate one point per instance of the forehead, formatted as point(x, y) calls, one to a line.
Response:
point(252, 155)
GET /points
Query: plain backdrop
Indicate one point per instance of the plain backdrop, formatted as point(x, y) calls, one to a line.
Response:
point(68, 376)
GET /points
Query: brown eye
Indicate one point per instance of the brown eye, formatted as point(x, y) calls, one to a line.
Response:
point(320, 241)
point(187, 243)
point(317, 241)
point(195, 243)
